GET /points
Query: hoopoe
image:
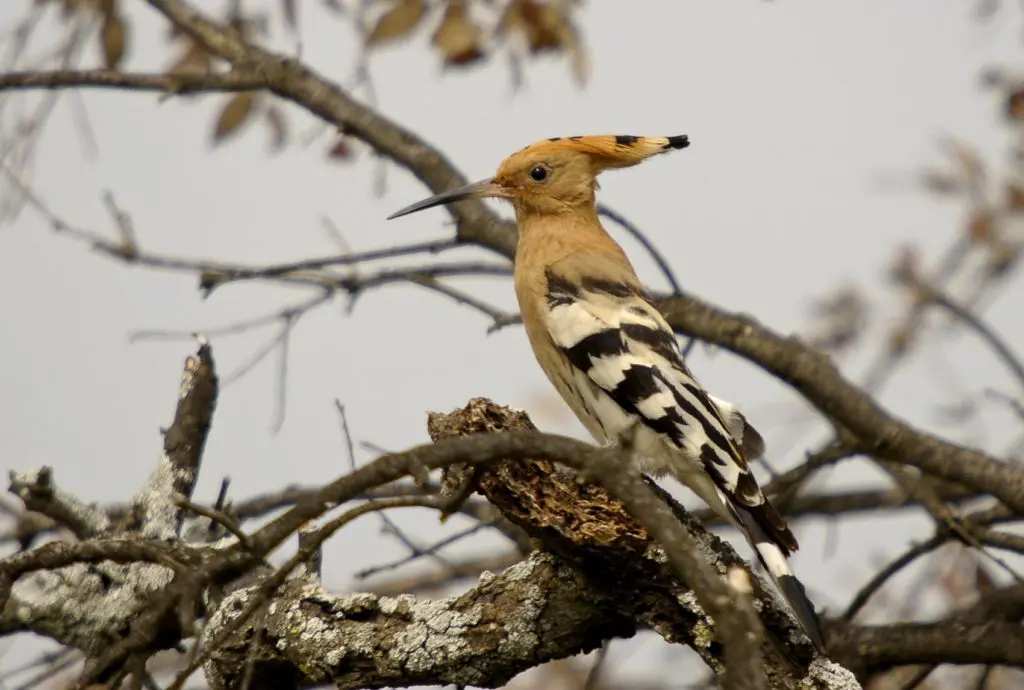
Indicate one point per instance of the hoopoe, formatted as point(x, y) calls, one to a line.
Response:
point(610, 353)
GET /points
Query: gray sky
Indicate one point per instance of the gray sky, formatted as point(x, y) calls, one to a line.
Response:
point(797, 113)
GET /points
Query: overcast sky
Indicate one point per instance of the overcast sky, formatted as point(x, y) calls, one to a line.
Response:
point(807, 121)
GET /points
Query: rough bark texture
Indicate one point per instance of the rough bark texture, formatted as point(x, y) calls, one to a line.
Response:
point(537, 610)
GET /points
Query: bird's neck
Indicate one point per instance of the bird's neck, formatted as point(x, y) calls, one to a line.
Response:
point(546, 238)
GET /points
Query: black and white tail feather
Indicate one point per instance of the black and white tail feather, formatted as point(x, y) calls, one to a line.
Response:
point(622, 372)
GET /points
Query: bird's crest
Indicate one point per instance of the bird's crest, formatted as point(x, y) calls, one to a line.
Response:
point(608, 150)
point(556, 174)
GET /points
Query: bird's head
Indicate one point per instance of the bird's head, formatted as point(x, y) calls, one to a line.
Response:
point(556, 175)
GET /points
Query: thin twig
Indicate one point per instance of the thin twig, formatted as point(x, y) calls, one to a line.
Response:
point(217, 516)
point(48, 673)
point(471, 567)
point(662, 262)
point(389, 524)
point(497, 317)
point(881, 577)
point(1001, 348)
point(420, 553)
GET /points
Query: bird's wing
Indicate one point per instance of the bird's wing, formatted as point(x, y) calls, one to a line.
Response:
point(608, 330)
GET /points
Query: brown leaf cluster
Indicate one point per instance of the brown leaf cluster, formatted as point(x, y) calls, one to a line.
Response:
point(459, 40)
point(546, 27)
point(462, 39)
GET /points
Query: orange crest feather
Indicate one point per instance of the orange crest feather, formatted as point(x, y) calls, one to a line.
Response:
point(611, 150)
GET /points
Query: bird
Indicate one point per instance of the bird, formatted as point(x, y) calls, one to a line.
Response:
point(609, 352)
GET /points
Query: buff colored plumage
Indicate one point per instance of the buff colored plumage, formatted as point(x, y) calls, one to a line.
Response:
point(610, 353)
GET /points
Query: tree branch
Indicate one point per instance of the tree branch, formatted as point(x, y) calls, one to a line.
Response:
point(537, 610)
point(817, 379)
point(174, 84)
point(156, 506)
point(39, 493)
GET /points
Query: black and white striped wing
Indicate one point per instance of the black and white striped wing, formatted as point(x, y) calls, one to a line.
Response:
point(610, 332)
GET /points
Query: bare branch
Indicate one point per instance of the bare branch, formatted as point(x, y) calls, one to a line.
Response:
point(994, 341)
point(178, 467)
point(170, 84)
point(635, 232)
point(436, 579)
point(39, 493)
point(818, 380)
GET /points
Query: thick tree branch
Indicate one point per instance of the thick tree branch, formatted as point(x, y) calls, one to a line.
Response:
point(537, 610)
point(607, 465)
point(873, 648)
point(156, 507)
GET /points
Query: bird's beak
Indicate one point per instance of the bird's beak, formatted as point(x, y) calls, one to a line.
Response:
point(477, 190)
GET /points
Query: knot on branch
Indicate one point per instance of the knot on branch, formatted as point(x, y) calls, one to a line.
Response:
point(549, 500)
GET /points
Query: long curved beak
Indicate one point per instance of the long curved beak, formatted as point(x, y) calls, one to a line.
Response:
point(477, 190)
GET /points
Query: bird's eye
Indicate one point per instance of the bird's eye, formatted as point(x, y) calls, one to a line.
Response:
point(539, 173)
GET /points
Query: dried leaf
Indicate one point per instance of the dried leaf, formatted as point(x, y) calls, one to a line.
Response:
point(906, 269)
point(969, 163)
point(397, 23)
point(459, 39)
point(546, 28)
point(900, 340)
point(195, 60)
point(340, 150)
point(511, 19)
point(235, 114)
point(841, 319)
point(580, 60)
point(1015, 105)
point(1003, 257)
point(113, 37)
point(69, 7)
point(981, 227)
point(278, 128)
point(1014, 197)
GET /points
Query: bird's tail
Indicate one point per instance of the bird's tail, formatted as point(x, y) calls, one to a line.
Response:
point(775, 558)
